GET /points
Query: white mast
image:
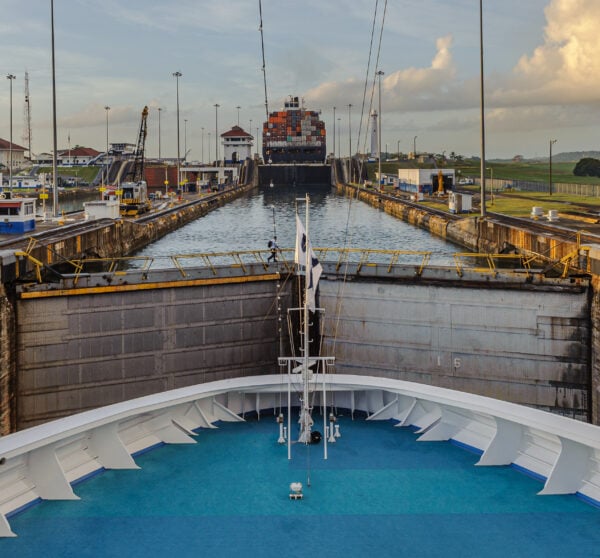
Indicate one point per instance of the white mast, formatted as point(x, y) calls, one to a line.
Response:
point(305, 414)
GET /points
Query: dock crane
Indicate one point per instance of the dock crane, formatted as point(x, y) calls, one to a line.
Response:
point(134, 198)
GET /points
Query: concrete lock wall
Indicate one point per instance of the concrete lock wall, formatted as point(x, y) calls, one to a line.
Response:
point(80, 352)
point(526, 347)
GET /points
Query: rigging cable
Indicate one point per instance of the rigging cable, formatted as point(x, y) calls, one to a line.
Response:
point(346, 232)
point(264, 66)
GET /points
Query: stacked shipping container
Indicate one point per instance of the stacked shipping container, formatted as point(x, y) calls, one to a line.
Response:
point(294, 135)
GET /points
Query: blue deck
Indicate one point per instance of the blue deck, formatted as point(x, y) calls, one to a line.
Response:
point(379, 493)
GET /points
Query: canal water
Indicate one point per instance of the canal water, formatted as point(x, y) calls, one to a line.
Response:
point(249, 222)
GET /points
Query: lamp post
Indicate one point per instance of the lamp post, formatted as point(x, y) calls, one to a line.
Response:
point(379, 74)
point(238, 109)
point(334, 132)
point(177, 75)
point(10, 78)
point(339, 136)
point(415, 147)
point(159, 111)
point(209, 147)
point(552, 142)
point(217, 131)
point(185, 139)
point(491, 169)
point(482, 102)
point(202, 128)
point(257, 140)
point(349, 142)
point(106, 108)
point(54, 138)
point(398, 149)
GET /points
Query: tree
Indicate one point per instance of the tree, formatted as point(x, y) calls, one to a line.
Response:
point(587, 167)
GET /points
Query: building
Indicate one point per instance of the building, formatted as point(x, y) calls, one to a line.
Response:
point(18, 155)
point(237, 145)
point(426, 181)
point(77, 156)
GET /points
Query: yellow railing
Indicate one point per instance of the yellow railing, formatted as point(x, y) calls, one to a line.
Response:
point(358, 258)
point(489, 263)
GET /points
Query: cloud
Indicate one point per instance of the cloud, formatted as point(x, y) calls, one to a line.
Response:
point(565, 69)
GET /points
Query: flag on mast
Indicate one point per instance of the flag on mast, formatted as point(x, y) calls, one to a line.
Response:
point(311, 263)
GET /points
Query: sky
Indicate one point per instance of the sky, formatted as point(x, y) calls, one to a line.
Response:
point(541, 69)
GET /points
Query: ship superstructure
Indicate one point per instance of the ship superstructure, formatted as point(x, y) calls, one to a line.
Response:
point(294, 134)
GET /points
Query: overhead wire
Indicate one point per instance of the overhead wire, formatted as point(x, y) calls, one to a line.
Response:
point(347, 228)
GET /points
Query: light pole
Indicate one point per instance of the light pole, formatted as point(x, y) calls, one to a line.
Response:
point(334, 132)
point(415, 147)
point(379, 74)
point(202, 128)
point(238, 109)
point(10, 78)
point(349, 142)
point(482, 102)
point(54, 138)
point(398, 150)
point(106, 108)
point(185, 139)
point(339, 142)
point(217, 132)
point(177, 75)
point(257, 141)
point(209, 147)
point(491, 169)
point(159, 111)
point(552, 142)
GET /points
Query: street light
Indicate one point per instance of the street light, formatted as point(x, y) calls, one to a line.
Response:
point(10, 78)
point(106, 108)
point(552, 142)
point(54, 138)
point(379, 74)
point(185, 139)
point(349, 142)
point(202, 128)
point(177, 75)
point(334, 132)
point(217, 131)
point(209, 147)
point(482, 102)
point(159, 111)
point(256, 140)
point(398, 150)
point(491, 169)
point(415, 147)
point(339, 135)
point(238, 109)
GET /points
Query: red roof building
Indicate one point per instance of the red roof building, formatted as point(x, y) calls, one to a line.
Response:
point(237, 144)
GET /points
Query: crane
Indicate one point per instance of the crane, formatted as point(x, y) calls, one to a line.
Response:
point(135, 191)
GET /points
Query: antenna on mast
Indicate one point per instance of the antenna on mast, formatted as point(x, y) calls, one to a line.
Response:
point(27, 117)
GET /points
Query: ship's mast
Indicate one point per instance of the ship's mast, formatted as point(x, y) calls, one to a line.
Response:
point(305, 413)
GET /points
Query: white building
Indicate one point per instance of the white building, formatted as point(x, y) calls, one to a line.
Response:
point(18, 155)
point(237, 145)
point(77, 156)
point(425, 180)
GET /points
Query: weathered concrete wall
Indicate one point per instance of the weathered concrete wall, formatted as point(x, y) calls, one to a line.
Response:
point(7, 362)
point(475, 234)
point(528, 347)
point(80, 352)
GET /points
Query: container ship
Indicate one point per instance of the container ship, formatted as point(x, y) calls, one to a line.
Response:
point(294, 135)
